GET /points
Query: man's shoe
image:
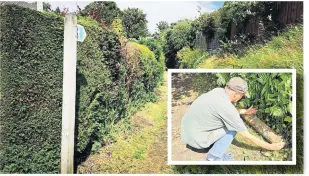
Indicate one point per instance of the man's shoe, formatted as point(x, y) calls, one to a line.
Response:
point(225, 157)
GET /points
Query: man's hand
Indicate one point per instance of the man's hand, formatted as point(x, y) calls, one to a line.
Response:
point(255, 140)
point(276, 146)
point(251, 110)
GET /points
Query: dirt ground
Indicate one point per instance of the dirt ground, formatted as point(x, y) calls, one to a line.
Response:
point(182, 97)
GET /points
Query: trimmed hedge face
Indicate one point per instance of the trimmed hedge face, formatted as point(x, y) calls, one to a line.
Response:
point(31, 88)
point(101, 97)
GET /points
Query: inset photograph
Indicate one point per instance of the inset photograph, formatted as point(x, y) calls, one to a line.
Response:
point(232, 117)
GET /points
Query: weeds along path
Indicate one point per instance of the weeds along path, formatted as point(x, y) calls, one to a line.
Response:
point(143, 149)
point(183, 96)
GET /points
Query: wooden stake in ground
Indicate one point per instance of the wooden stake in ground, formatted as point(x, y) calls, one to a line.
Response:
point(69, 90)
point(262, 128)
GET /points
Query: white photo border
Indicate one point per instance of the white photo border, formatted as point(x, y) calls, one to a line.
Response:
point(169, 129)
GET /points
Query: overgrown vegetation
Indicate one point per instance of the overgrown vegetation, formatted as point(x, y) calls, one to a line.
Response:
point(114, 78)
point(235, 27)
point(190, 58)
point(273, 55)
point(284, 51)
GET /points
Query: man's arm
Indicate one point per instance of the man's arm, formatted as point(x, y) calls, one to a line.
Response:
point(255, 140)
point(241, 111)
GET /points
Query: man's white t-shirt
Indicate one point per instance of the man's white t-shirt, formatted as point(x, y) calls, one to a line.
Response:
point(209, 115)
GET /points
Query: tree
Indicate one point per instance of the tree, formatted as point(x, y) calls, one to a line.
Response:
point(181, 34)
point(103, 12)
point(134, 23)
point(47, 7)
point(208, 23)
point(58, 11)
point(162, 25)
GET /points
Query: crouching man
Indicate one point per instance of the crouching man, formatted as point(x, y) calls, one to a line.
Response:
point(213, 119)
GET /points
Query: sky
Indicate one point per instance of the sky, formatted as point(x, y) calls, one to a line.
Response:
point(156, 11)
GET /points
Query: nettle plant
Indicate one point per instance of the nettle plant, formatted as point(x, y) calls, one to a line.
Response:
point(271, 93)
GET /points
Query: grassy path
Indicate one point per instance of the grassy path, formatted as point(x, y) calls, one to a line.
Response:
point(143, 149)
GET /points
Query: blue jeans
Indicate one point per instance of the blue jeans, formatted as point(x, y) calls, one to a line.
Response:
point(221, 145)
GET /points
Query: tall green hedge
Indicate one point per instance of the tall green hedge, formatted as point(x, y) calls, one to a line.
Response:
point(101, 95)
point(31, 88)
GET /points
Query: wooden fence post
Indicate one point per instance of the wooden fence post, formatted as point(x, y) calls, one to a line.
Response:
point(69, 92)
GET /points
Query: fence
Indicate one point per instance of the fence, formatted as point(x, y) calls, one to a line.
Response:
point(285, 13)
point(207, 44)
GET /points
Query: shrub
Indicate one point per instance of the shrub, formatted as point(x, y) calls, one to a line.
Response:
point(156, 47)
point(190, 58)
point(144, 72)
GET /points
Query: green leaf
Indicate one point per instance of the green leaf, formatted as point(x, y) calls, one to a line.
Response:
point(290, 107)
point(288, 119)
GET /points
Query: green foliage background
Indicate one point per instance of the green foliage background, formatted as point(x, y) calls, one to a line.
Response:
point(270, 93)
point(31, 88)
